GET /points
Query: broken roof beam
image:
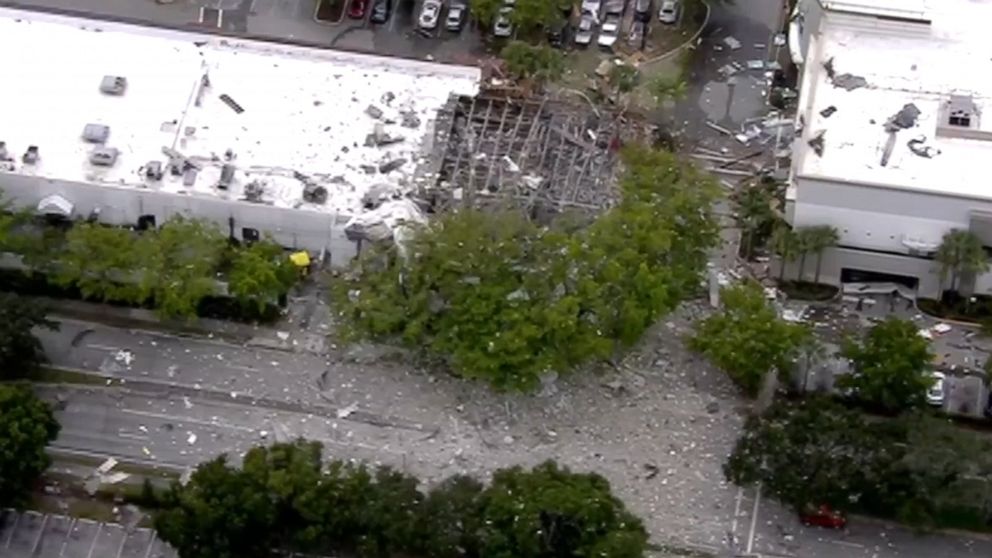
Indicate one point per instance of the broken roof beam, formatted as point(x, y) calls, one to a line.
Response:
point(459, 147)
point(499, 137)
point(469, 192)
point(532, 135)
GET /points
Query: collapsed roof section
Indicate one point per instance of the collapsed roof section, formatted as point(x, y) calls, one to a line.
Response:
point(536, 153)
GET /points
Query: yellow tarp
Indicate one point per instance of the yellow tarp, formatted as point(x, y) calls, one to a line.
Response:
point(300, 259)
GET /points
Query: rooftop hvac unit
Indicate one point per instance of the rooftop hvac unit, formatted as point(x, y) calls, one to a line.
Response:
point(226, 176)
point(104, 156)
point(30, 156)
point(113, 85)
point(96, 133)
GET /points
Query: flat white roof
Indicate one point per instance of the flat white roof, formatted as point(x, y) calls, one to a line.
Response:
point(886, 66)
point(303, 110)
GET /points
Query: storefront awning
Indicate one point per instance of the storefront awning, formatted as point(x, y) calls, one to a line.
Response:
point(55, 205)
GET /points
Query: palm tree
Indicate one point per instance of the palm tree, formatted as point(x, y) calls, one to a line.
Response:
point(804, 246)
point(754, 214)
point(960, 253)
point(785, 243)
point(818, 239)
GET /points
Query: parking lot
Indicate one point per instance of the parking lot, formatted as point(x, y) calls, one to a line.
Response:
point(52, 536)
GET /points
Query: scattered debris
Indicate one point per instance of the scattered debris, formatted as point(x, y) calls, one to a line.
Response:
point(941, 328)
point(409, 119)
point(191, 439)
point(374, 112)
point(124, 356)
point(828, 112)
point(904, 119)
point(817, 142)
point(231, 103)
point(918, 147)
point(106, 466)
point(346, 412)
point(779, 39)
point(849, 82)
point(731, 42)
point(719, 128)
point(391, 165)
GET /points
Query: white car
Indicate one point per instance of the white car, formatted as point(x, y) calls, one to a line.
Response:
point(429, 14)
point(583, 36)
point(608, 32)
point(592, 7)
point(935, 395)
point(503, 26)
point(670, 11)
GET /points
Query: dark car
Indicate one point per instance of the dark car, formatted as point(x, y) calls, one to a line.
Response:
point(558, 34)
point(356, 10)
point(642, 10)
point(822, 516)
point(381, 10)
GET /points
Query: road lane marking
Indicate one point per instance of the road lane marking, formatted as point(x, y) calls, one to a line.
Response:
point(846, 543)
point(754, 519)
point(128, 435)
point(737, 512)
point(185, 420)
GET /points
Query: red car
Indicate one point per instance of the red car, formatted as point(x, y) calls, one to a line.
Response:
point(823, 516)
point(356, 10)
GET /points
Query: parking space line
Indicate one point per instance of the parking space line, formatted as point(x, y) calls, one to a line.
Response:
point(10, 534)
point(754, 519)
point(846, 543)
point(37, 541)
point(96, 537)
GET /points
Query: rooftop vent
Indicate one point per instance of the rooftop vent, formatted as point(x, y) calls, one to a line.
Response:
point(3, 151)
point(113, 85)
point(189, 177)
point(153, 170)
point(96, 133)
point(30, 156)
point(961, 111)
point(226, 176)
point(104, 156)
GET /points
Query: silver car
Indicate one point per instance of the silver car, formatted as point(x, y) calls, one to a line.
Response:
point(429, 14)
point(670, 11)
point(456, 17)
point(503, 27)
point(583, 36)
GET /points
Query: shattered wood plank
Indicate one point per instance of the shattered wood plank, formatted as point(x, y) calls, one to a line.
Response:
point(531, 135)
point(469, 193)
point(460, 148)
point(497, 156)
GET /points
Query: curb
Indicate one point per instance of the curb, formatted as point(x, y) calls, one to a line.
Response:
point(684, 45)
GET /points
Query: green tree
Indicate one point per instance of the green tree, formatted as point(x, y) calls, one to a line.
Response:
point(26, 427)
point(960, 253)
point(755, 214)
point(818, 239)
point(485, 11)
point(182, 259)
point(531, 16)
point(260, 273)
point(813, 452)
point(665, 89)
point(451, 521)
point(503, 299)
point(890, 367)
point(747, 338)
point(623, 78)
point(550, 511)
point(101, 262)
point(539, 62)
point(20, 350)
point(785, 244)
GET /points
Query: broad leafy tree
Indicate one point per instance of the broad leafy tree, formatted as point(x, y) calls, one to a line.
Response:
point(747, 338)
point(960, 253)
point(26, 427)
point(503, 299)
point(20, 350)
point(180, 265)
point(260, 273)
point(891, 367)
point(813, 452)
point(485, 12)
point(283, 498)
point(538, 62)
point(102, 262)
point(754, 204)
point(534, 15)
point(550, 511)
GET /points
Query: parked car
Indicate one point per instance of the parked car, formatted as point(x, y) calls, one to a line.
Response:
point(592, 7)
point(503, 27)
point(935, 395)
point(609, 31)
point(583, 36)
point(558, 33)
point(429, 14)
point(636, 36)
point(456, 17)
point(670, 11)
point(381, 10)
point(642, 10)
point(616, 6)
point(356, 9)
point(822, 516)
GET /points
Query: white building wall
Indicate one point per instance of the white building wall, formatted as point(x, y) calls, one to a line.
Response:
point(307, 230)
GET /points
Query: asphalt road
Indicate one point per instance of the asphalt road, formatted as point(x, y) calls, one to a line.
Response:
point(184, 401)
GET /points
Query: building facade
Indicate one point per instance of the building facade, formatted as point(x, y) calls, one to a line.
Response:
point(891, 141)
point(131, 125)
